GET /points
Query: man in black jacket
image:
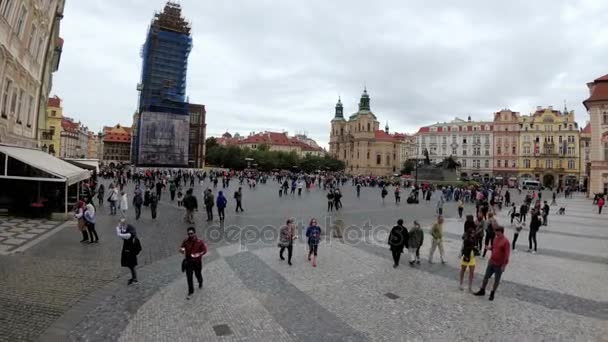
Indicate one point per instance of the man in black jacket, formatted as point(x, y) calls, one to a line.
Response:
point(191, 204)
point(535, 223)
point(545, 213)
point(398, 241)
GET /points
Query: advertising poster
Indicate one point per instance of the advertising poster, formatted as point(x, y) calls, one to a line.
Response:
point(163, 139)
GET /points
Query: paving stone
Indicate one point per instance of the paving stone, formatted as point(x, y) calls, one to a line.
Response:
point(14, 241)
point(26, 236)
point(7, 234)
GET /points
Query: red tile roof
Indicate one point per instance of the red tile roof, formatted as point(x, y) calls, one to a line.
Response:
point(117, 134)
point(587, 128)
point(69, 126)
point(54, 101)
point(598, 90)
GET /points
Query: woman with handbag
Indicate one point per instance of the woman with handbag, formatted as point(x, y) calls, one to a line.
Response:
point(79, 215)
point(287, 235)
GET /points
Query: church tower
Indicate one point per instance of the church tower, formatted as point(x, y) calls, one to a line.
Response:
point(364, 102)
point(338, 130)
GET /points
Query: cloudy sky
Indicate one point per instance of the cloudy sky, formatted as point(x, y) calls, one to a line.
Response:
point(281, 64)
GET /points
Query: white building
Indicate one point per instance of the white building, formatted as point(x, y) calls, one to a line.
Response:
point(468, 142)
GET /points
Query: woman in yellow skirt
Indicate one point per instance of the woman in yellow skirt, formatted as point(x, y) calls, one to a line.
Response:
point(468, 257)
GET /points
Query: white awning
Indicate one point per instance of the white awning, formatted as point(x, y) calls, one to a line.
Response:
point(56, 169)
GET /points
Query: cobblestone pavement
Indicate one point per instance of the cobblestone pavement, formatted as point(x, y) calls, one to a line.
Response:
point(16, 234)
point(60, 290)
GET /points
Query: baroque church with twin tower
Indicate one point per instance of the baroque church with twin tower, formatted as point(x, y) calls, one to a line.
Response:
point(362, 145)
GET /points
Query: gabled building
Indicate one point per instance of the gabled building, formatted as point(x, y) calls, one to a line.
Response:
point(50, 137)
point(116, 145)
point(585, 155)
point(70, 145)
point(506, 144)
point(597, 107)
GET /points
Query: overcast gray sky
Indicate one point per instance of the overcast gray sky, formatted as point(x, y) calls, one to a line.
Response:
point(281, 64)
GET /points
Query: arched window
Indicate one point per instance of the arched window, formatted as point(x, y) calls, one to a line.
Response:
point(378, 159)
point(342, 131)
point(368, 127)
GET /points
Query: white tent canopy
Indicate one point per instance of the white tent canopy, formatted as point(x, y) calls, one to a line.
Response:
point(52, 168)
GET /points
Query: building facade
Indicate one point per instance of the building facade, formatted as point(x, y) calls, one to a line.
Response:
point(469, 142)
point(198, 128)
point(506, 144)
point(70, 146)
point(585, 155)
point(163, 113)
point(361, 145)
point(30, 49)
point(116, 145)
point(274, 141)
point(407, 150)
point(549, 145)
point(50, 136)
point(597, 107)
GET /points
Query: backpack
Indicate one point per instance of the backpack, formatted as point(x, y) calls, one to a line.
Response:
point(136, 246)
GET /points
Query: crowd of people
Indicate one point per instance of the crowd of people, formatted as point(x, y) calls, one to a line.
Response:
point(482, 232)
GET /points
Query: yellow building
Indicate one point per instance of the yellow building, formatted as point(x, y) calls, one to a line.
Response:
point(361, 145)
point(50, 137)
point(549, 147)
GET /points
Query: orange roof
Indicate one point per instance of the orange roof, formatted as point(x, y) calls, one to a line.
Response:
point(587, 128)
point(117, 134)
point(69, 126)
point(598, 90)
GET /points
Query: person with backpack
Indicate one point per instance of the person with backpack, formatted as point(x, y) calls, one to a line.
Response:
point(221, 202)
point(193, 250)
point(398, 240)
point(131, 247)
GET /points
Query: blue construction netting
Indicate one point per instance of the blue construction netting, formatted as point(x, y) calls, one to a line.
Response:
point(165, 65)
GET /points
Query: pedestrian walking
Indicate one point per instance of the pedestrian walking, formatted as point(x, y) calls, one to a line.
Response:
point(397, 240)
point(79, 215)
point(468, 257)
point(600, 205)
point(469, 223)
point(180, 197)
point(153, 204)
point(330, 200)
point(440, 203)
point(172, 190)
point(193, 250)
point(113, 199)
point(489, 233)
point(383, 193)
point(209, 202)
point(89, 217)
point(535, 223)
point(300, 186)
point(191, 204)
point(519, 226)
point(131, 247)
point(460, 208)
point(137, 203)
point(221, 202)
point(123, 205)
point(415, 240)
point(397, 195)
point(497, 263)
point(313, 233)
point(437, 242)
point(238, 197)
point(100, 194)
point(545, 213)
point(286, 237)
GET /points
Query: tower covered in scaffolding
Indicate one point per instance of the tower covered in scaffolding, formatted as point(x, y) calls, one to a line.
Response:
point(162, 118)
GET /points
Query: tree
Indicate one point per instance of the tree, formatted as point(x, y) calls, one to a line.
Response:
point(210, 143)
point(408, 166)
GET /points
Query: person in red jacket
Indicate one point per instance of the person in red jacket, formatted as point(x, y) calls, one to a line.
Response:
point(600, 204)
point(501, 249)
point(193, 249)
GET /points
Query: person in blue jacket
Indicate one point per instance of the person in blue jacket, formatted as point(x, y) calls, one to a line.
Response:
point(221, 204)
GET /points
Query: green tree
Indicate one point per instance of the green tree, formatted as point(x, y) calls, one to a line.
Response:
point(408, 167)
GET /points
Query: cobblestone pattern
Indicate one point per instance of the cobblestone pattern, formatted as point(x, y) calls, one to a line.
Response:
point(16, 232)
point(224, 299)
point(298, 313)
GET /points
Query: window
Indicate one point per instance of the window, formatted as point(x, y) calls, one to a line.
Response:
point(499, 141)
point(487, 138)
point(454, 138)
point(571, 164)
point(378, 159)
point(487, 152)
point(526, 150)
point(559, 139)
point(368, 127)
point(20, 106)
point(21, 22)
point(476, 151)
point(464, 140)
point(486, 163)
point(513, 163)
point(498, 163)
point(13, 107)
point(454, 152)
point(53, 113)
point(559, 163)
point(464, 151)
point(537, 162)
point(5, 96)
point(388, 160)
point(606, 150)
point(498, 150)
point(6, 7)
point(513, 150)
point(32, 38)
point(527, 163)
point(605, 118)
point(444, 140)
point(464, 163)
point(549, 163)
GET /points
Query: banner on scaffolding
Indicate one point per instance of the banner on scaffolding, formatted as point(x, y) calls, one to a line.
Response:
point(163, 139)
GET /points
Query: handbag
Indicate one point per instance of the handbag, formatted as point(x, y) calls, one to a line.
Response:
point(184, 265)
